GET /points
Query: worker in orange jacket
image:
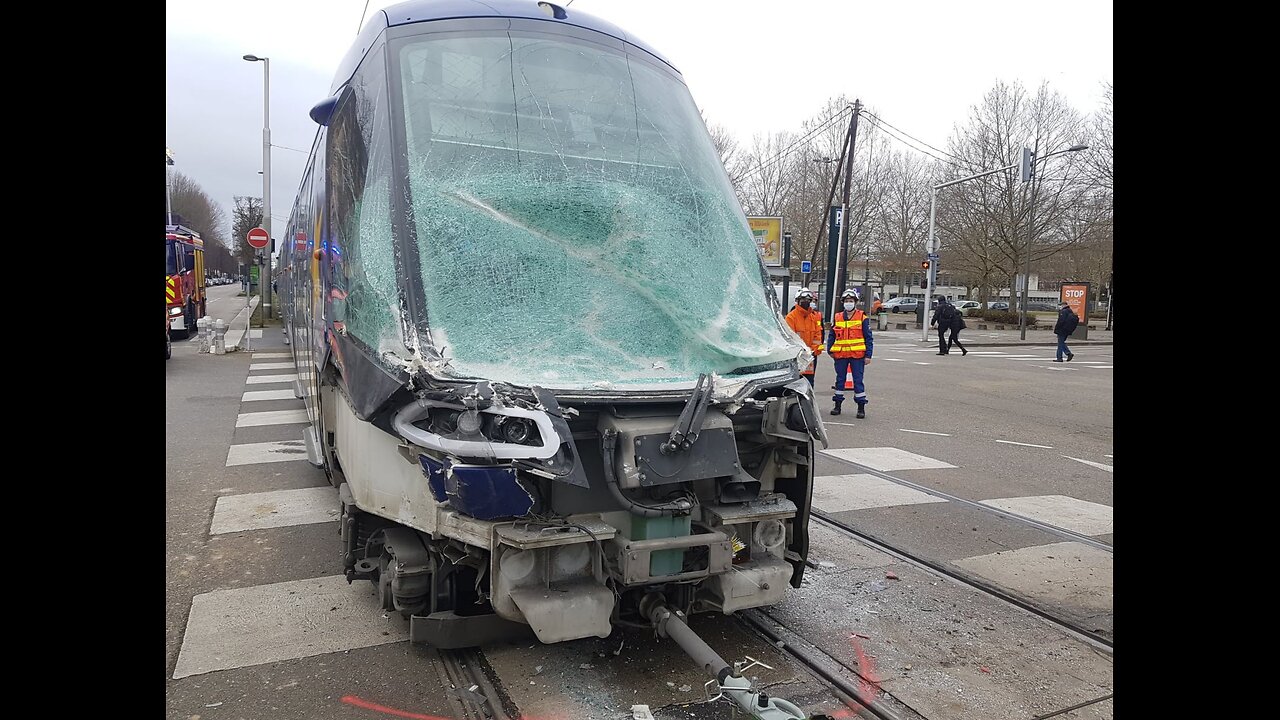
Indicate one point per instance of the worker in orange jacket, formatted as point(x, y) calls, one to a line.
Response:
point(806, 321)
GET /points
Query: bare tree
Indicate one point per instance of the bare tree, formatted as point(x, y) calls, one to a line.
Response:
point(1102, 145)
point(766, 182)
point(198, 211)
point(248, 215)
point(988, 220)
point(727, 148)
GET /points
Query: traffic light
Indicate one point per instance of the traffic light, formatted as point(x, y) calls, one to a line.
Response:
point(1028, 164)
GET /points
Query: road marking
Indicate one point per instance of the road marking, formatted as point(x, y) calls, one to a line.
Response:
point(924, 432)
point(271, 417)
point(917, 362)
point(887, 459)
point(267, 395)
point(260, 356)
point(838, 493)
point(279, 508)
point(985, 352)
point(892, 359)
point(271, 366)
point(253, 453)
point(1014, 357)
point(1100, 367)
point(230, 629)
point(1079, 516)
point(1106, 456)
point(263, 379)
point(1100, 466)
point(255, 334)
point(1065, 572)
point(1010, 442)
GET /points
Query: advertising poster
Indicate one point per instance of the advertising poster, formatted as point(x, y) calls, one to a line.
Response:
point(768, 235)
point(1076, 296)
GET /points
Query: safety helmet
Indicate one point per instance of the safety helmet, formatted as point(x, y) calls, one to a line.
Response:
point(850, 293)
point(804, 293)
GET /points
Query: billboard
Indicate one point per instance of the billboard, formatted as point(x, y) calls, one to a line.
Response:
point(768, 235)
point(1076, 296)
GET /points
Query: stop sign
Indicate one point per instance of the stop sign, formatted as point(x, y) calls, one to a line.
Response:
point(258, 238)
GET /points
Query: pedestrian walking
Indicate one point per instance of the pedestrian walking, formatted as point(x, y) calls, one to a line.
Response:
point(1067, 322)
point(957, 324)
point(943, 312)
point(850, 343)
point(806, 321)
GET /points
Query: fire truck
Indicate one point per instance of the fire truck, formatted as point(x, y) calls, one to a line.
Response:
point(184, 280)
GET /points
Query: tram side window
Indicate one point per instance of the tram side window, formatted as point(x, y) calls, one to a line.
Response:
point(362, 296)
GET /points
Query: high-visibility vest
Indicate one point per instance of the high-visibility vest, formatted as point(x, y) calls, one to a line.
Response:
point(849, 341)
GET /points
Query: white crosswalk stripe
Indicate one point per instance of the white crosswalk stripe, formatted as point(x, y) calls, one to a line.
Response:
point(263, 379)
point(272, 417)
point(279, 508)
point(267, 395)
point(838, 493)
point(1068, 513)
point(237, 628)
point(253, 453)
point(271, 366)
point(887, 459)
point(267, 355)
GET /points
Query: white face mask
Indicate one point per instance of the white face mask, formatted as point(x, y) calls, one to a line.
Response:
point(849, 307)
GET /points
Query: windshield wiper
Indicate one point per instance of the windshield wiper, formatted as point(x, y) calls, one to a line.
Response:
point(687, 428)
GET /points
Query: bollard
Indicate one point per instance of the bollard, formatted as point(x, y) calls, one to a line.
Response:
point(219, 337)
point(205, 333)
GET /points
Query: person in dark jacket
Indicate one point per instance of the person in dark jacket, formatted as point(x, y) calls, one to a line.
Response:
point(943, 312)
point(957, 324)
point(1067, 322)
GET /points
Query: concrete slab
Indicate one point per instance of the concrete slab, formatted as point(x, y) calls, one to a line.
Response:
point(887, 459)
point(838, 493)
point(1080, 516)
point(1070, 575)
point(283, 621)
point(278, 508)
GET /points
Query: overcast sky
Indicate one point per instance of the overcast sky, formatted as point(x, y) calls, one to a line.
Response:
point(753, 66)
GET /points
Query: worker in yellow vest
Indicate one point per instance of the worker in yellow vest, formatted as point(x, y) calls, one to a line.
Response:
point(849, 341)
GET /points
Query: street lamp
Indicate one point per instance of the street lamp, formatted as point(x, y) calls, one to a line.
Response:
point(1031, 220)
point(266, 176)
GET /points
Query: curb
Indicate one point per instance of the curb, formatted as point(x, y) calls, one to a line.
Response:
point(239, 335)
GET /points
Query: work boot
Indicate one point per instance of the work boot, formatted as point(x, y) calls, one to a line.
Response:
point(1069, 356)
point(836, 409)
point(862, 410)
point(963, 352)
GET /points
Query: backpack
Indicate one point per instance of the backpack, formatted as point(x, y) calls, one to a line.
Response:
point(947, 313)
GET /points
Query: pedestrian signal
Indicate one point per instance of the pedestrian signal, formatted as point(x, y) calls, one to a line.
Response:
point(924, 264)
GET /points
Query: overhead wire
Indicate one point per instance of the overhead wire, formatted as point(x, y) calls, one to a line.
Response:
point(904, 132)
point(913, 147)
point(770, 162)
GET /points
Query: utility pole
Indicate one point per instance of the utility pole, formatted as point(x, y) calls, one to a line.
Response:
point(840, 279)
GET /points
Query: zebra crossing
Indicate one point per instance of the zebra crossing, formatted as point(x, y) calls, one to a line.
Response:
point(1016, 355)
point(1073, 572)
point(238, 627)
point(245, 626)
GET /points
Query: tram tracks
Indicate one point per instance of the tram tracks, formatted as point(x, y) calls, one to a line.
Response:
point(1075, 630)
point(473, 687)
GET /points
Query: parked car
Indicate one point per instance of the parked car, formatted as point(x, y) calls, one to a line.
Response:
point(967, 304)
point(902, 304)
point(998, 305)
point(1041, 307)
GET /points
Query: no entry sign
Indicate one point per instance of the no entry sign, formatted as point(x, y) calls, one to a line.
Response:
point(258, 238)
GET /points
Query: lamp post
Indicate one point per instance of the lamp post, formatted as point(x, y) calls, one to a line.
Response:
point(266, 177)
point(168, 201)
point(1031, 227)
point(932, 273)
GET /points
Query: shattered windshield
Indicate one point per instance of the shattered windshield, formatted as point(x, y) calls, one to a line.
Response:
point(575, 228)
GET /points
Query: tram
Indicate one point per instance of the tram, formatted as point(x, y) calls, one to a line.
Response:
point(541, 358)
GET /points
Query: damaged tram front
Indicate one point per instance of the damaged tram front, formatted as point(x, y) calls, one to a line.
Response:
point(539, 352)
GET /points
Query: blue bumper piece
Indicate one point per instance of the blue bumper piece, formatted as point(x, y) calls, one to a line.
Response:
point(485, 492)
